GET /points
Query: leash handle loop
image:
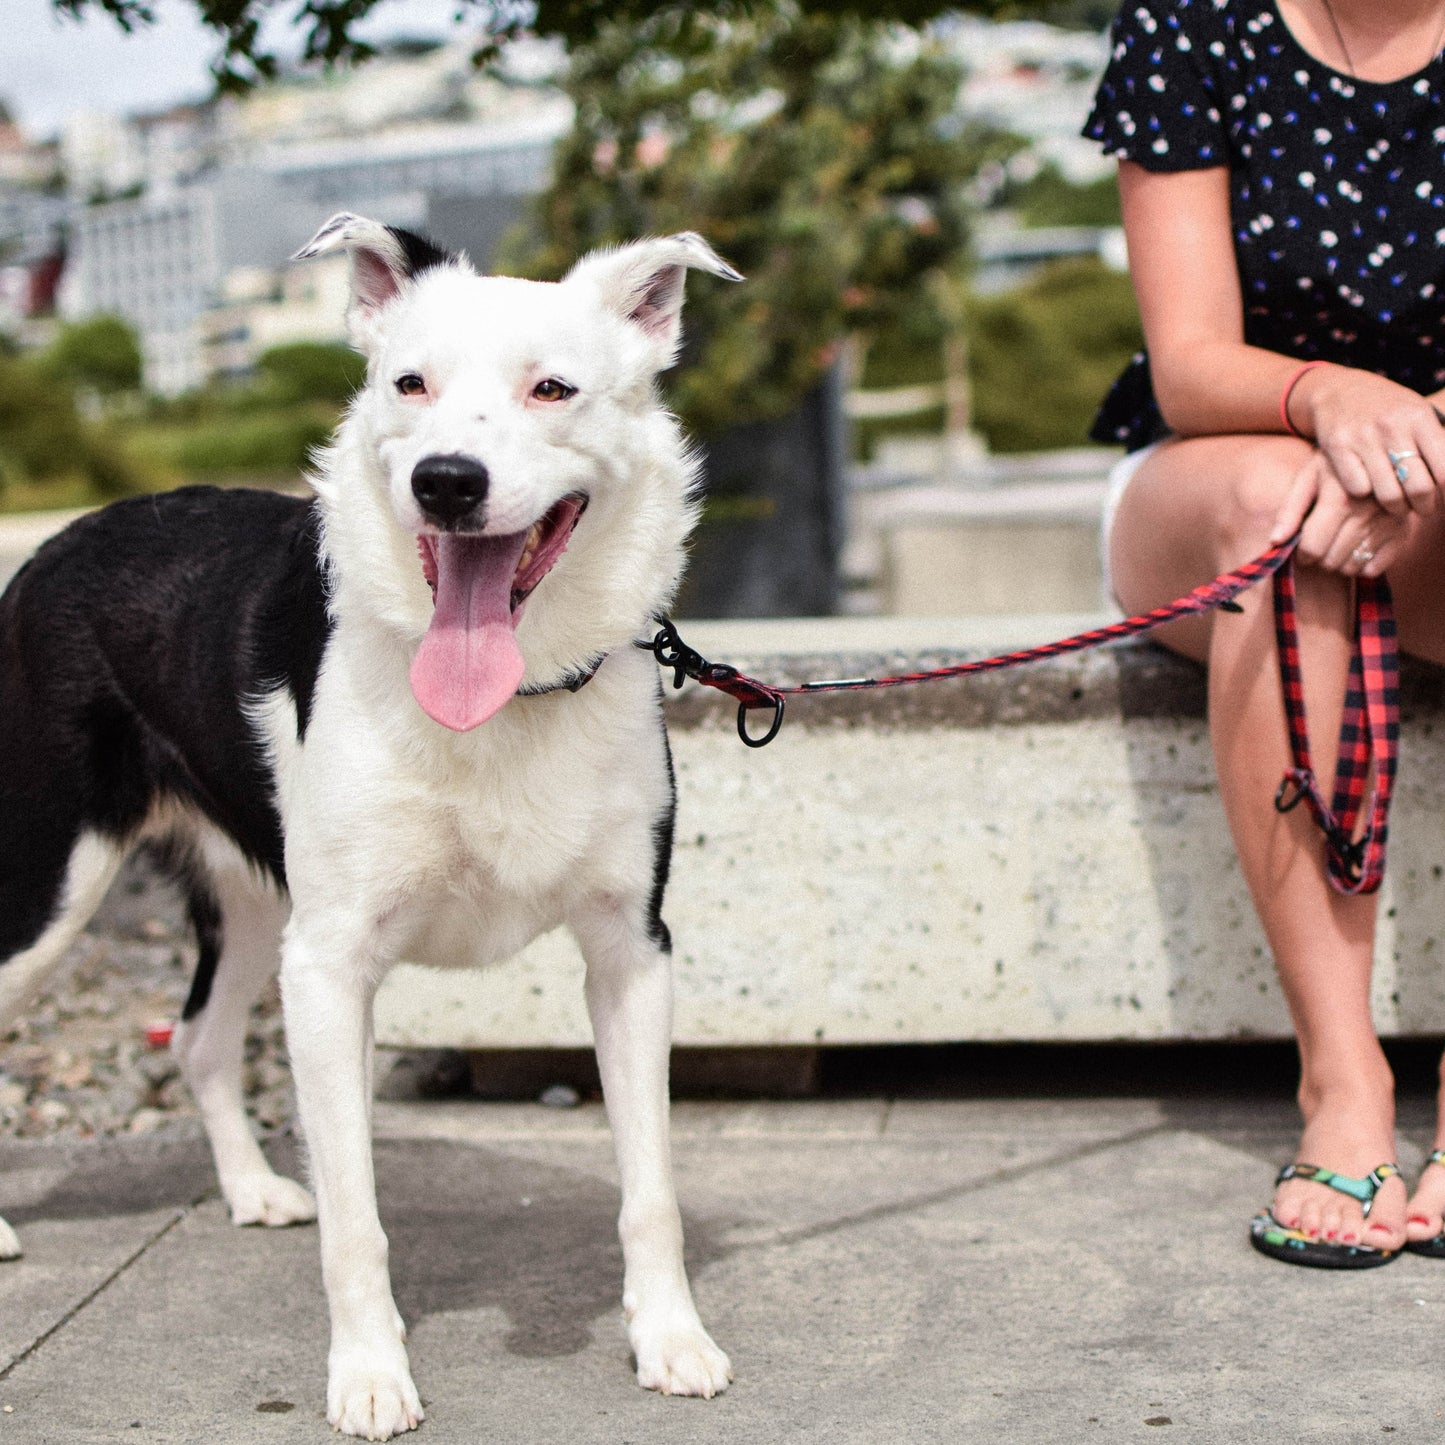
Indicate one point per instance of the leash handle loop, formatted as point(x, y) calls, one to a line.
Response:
point(1369, 735)
point(777, 703)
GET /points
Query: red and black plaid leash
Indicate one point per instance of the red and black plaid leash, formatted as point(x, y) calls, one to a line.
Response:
point(1369, 735)
point(1369, 729)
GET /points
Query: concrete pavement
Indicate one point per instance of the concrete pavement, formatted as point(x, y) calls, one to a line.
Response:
point(1018, 1270)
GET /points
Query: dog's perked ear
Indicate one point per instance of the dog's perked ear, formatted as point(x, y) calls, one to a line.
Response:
point(643, 283)
point(383, 260)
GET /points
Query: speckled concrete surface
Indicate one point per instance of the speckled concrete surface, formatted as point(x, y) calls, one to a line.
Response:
point(1008, 1271)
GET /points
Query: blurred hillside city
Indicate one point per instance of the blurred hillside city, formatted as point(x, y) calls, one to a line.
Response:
point(153, 330)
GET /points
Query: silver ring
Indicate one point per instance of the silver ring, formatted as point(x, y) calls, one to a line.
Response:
point(1362, 554)
point(1398, 460)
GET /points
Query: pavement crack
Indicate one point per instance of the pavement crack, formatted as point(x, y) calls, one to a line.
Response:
point(134, 1257)
point(1005, 1175)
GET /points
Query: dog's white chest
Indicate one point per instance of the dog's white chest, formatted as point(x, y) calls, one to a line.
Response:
point(500, 861)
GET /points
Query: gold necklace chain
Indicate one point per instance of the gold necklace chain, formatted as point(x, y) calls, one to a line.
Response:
point(1345, 49)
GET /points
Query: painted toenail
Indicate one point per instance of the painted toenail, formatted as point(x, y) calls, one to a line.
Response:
point(1418, 1219)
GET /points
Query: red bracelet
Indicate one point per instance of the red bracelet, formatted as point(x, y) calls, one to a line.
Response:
point(1284, 396)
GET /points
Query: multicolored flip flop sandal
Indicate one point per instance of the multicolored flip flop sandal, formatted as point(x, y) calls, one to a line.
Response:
point(1433, 1248)
point(1271, 1237)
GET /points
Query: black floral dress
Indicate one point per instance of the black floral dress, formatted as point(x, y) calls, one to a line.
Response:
point(1337, 187)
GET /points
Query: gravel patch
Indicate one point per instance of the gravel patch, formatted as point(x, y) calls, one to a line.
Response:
point(80, 1064)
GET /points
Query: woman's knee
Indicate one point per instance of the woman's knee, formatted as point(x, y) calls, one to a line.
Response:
point(1218, 496)
point(1253, 488)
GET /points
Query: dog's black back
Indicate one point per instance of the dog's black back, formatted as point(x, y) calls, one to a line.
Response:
point(128, 645)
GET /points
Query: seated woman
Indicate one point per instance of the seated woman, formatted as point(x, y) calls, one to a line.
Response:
point(1280, 165)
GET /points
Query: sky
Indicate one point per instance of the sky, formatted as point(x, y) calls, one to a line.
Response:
point(50, 67)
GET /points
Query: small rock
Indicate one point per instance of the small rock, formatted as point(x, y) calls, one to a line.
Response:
point(73, 1076)
point(559, 1096)
point(28, 1063)
point(156, 1069)
point(147, 1121)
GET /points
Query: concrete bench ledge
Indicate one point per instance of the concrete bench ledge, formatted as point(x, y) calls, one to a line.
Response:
point(1036, 854)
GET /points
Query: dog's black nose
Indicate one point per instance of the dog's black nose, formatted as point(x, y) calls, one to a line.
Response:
point(448, 487)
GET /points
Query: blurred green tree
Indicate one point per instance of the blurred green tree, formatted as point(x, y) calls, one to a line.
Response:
point(822, 155)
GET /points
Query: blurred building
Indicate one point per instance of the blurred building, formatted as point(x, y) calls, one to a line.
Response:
point(262, 307)
point(183, 223)
point(1037, 81)
point(104, 157)
point(160, 260)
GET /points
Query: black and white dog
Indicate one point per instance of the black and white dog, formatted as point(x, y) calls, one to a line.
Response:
point(290, 696)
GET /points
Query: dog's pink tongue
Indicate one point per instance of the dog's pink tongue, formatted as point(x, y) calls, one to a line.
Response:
point(468, 664)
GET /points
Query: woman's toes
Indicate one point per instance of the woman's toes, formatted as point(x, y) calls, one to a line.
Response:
point(1286, 1205)
point(1384, 1233)
point(1423, 1220)
point(1311, 1216)
point(1336, 1222)
point(1423, 1226)
point(1385, 1228)
point(1382, 1236)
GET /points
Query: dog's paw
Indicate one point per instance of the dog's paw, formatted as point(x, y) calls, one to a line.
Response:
point(9, 1242)
point(371, 1395)
point(680, 1360)
point(269, 1199)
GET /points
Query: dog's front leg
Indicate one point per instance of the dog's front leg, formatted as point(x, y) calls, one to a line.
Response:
point(629, 998)
point(328, 1033)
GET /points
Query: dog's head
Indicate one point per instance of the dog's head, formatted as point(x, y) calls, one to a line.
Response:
point(509, 432)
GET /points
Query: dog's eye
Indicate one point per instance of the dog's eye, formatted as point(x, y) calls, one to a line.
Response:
point(553, 390)
point(410, 384)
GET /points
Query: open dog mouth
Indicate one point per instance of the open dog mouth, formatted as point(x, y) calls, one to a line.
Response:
point(468, 665)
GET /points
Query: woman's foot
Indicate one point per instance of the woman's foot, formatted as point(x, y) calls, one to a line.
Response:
point(1423, 1214)
point(1350, 1136)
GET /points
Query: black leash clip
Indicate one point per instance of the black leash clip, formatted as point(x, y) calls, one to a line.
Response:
point(686, 662)
point(671, 651)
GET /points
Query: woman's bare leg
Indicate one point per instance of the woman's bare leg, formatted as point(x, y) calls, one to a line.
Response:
point(1416, 582)
point(1197, 507)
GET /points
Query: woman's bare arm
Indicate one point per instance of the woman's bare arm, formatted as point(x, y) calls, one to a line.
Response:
point(1208, 380)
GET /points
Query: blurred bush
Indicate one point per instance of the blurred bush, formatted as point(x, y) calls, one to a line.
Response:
point(100, 354)
point(1041, 357)
point(1049, 198)
point(51, 454)
point(303, 371)
point(74, 430)
point(264, 448)
point(261, 430)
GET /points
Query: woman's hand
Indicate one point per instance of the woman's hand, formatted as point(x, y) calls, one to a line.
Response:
point(1381, 439)
point(1352, 535)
